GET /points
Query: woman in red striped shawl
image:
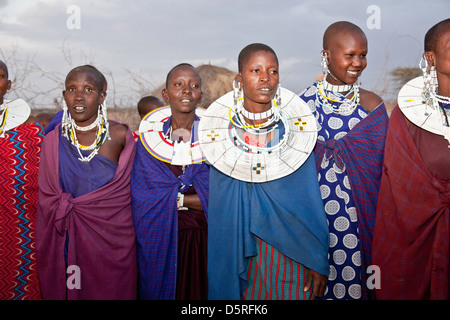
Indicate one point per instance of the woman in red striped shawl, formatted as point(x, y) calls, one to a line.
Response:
point(411, 239)
point(20, 145)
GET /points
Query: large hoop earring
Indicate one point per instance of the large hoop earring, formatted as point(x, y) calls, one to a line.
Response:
point(278, 95)
point(434, 79)
point(430, 82)
point(324, 63)
point(237, 90)
point(104, 117)
point(66, 118)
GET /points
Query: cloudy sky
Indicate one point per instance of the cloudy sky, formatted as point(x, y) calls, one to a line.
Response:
point(142, 39)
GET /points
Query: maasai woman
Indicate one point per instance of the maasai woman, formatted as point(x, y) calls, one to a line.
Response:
point(20, 145)
point(267, 236)
point(412, 230)
point(352, 127)
point(169, 187)
point(85, 240)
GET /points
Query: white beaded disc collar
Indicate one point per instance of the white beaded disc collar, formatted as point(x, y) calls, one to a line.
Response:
point(16, 111)
point(412, 104)
point(257, 164)
point(161, 147)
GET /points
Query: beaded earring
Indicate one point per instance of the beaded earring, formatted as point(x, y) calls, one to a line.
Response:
point(428, 83)
point(66, 119)
point(237, 90)
point(324, 63)
point(277, 97)
point(104, 116)
point(429, 76)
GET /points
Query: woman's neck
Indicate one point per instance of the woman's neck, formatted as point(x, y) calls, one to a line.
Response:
point(182, 121)
point(443, 86)
point(331, 79)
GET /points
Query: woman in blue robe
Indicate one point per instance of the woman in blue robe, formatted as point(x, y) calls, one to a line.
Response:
point(268, 239)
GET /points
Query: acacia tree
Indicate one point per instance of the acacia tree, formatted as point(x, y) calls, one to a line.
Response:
point(29, 81)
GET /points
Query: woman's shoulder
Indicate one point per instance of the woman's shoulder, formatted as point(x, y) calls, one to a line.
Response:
point(118, 128)
point(369, 100)
point(118, 132)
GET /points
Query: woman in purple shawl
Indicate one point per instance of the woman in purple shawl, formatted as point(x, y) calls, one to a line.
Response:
point(85, 240)
point(169, 198)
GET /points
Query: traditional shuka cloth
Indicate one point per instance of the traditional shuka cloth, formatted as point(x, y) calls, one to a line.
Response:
point(84, 220)
point(192, 278)
point(349, 156)
point(411, 239)
point(267, 224)
point(283, 213)
point(274, 276)
point(20, 150)
point(57, 118)
point(162, 234)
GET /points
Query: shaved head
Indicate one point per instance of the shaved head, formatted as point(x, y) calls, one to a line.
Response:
point(181, 65)
point(246, 53)
point(101, 80)
point(339, 28)
point(433, 35)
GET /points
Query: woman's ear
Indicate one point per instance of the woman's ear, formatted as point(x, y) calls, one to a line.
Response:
point(239, 80)
point(165, 95)
point(102, 96)
point(429, 56)
point(325, 53)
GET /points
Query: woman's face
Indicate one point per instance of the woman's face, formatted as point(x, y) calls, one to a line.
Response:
point(183, 91)
point(259, 78)
point(5, 84)
point(440, 56)
point(83, 96)
point(346, 57)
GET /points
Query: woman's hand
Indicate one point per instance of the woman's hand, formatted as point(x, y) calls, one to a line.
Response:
point(317, 281)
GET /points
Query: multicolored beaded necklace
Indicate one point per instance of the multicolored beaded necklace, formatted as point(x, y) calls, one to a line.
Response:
point(344, 105)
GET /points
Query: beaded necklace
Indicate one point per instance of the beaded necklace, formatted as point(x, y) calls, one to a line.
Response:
point(102, 133)
point(443, 103)
point(240, 124)
point(344, 105)
point(258, 148)
point(272, 115)
point(3, 108)
point(440, 104)
point(69, 131)
point(87, 128)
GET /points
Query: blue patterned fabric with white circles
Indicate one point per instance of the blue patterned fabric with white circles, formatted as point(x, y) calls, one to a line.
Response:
point(344, 281)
